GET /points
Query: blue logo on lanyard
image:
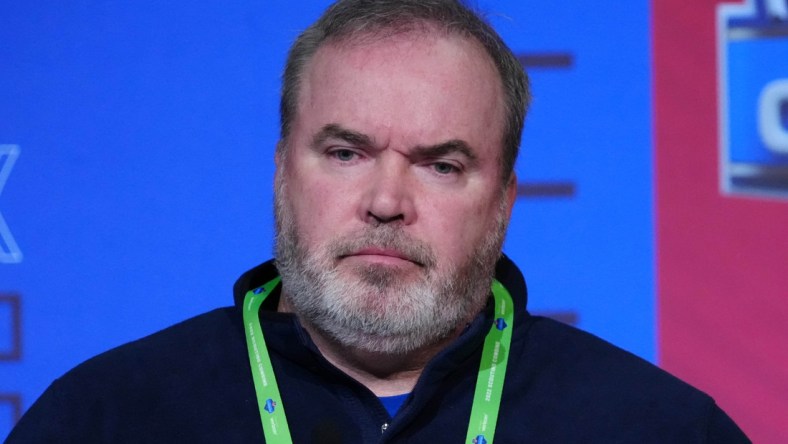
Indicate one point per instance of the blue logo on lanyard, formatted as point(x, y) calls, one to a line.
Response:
point(500, 324)
point(258, 290)
point(270, 405)
point(479, 440)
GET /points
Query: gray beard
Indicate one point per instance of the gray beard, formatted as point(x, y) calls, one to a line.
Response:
point(375, 308)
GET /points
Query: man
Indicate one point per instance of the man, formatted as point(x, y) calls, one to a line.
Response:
point(401, 122)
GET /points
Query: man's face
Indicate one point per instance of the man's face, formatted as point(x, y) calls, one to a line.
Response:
point(390, 209)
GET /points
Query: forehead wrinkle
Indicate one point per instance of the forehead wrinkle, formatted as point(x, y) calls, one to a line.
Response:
point(350, 46)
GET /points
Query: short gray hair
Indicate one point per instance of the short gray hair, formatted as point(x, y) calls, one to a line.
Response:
point(349, 19)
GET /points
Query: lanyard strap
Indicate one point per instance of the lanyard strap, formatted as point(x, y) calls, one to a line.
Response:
point(492, 370)
point(269, 401)
point(486, 397)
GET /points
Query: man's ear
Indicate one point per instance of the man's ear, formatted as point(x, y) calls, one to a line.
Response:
point(511, 194)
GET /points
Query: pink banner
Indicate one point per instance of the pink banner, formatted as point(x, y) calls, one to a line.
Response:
point(722, 256)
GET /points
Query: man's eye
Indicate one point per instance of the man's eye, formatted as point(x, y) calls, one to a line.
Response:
point(444, 168)
point(343, 155)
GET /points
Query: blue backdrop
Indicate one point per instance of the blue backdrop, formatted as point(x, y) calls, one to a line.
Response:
point(142, 187)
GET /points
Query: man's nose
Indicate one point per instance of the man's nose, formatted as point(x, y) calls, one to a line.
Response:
point(388, 198)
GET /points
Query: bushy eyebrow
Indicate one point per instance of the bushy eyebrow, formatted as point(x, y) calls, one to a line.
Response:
point(444, 149)
point(335, 131)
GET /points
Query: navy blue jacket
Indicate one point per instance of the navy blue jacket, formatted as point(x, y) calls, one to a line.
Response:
point(192, 383)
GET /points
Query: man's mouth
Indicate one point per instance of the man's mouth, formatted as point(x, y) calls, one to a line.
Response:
point(382, 255)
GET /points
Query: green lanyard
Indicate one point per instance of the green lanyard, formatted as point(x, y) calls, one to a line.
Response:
point(486, 397)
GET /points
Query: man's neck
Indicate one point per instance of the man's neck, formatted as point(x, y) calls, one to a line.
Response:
point(384, 374)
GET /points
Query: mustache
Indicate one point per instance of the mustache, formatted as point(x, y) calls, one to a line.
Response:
point(386, 238)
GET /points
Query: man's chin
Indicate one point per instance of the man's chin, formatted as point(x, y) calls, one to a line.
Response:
point(386, 275)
